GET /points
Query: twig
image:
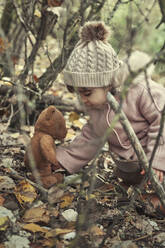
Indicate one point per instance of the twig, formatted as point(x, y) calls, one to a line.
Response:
point(22, 21)
point(143, 237)
point(9, 120)
point(114, 10)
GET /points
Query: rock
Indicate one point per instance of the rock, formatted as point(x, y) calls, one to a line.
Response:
point(124, 244)
point(159, 238)
point(73, 179)
point(11, 204)
point(16, 241)
point(5, 212)
point(6, 183)
point(70, 215)
point(69, 236)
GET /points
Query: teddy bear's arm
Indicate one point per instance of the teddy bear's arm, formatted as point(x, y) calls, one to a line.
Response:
point(48, 149)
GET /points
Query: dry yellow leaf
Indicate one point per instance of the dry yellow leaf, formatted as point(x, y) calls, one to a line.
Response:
point(35, 228)
point(54, 212)
point(96, 231)
point(4, 223)
point(70, 134)
point(49, 243)
point(25, 192)
point(73, 116)
point(66, 200)
point(58, 231)
point(91, 196)
point(78, 124)
point(37, 214)
point(2, 199)
point(5, 83)
point(15, 135)
point(37, 13)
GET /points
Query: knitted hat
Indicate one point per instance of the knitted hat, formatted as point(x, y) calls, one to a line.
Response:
point(93, 61)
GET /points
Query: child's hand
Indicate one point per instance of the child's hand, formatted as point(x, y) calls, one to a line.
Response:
point(160, 174)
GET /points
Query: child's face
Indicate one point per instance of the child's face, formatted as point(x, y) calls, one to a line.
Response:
point(93, 97)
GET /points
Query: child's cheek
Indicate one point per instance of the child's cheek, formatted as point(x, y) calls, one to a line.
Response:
point(98, 99)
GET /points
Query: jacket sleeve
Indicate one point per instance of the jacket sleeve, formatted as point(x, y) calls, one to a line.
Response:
point(78, 153)
point(151, 106)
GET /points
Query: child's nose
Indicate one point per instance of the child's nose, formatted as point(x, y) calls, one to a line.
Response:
point(84, 99)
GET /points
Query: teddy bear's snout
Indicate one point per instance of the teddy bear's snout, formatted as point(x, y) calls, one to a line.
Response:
point(65, 133)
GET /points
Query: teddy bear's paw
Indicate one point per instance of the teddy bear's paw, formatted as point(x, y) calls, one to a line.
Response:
point(49, 181)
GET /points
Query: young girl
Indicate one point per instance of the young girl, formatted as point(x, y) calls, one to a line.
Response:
point(93, 70)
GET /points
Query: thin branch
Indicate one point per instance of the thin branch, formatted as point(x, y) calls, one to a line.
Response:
point(22, 21)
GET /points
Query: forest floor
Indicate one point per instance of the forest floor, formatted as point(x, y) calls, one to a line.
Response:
point(74, 214)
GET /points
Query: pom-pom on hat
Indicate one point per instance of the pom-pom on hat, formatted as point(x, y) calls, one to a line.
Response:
point(93, 61)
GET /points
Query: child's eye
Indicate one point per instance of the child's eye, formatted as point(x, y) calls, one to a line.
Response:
point(88, 93)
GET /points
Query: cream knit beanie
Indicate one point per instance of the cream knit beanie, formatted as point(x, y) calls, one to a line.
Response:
point(93, 61)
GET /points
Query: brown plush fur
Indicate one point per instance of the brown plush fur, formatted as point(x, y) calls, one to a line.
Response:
point(40, 153)
point(92, 31)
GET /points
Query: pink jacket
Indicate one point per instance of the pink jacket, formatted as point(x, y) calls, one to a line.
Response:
point(143, 109)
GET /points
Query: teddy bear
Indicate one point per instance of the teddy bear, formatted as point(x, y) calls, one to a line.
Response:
point(40, 155)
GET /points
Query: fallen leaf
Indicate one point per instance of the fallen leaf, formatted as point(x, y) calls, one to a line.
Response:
point(55, 194)
point(48, 243)
point(73, 116)
point(91, 196)
point(3, 45)
point(96, 231)
point(25, 192)
point(58, 231)
point(54, 212)
point(36, 214)
point(15, 135)
point(3, 82)
point(4, 223)
point(66, 200)
point(35, 228)
point(70, 135)
point(1, 200)
point(37, 13)
point(78, 124)
point(6, 183)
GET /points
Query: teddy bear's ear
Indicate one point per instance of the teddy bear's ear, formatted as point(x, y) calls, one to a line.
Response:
point(49, 112)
